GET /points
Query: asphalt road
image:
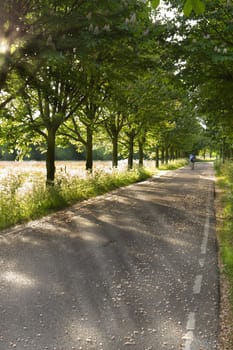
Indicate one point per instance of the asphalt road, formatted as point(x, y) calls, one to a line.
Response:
point(134, 269)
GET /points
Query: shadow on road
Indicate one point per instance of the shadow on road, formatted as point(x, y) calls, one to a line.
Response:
point(112, 271)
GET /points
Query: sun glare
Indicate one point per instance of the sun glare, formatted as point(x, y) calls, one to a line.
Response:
point(3, 46)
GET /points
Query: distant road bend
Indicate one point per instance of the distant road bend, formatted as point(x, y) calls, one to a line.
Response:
point(133, 269)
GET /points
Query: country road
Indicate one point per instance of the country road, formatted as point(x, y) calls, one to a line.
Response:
point(133, 269)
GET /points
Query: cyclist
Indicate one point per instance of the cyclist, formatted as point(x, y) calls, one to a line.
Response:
point(192, 160)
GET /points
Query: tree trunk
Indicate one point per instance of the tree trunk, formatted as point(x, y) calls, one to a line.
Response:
point(162, 155)
point(115, 151)
point(89, 147)
point(166, 155)
point(130, 154)
point(157, 156)
point(50, 157)
point(172, 156)
point(223, 151)
point(140, 153)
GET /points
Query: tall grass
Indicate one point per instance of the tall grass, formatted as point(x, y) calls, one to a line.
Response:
point(174, 164)
point(24, 195)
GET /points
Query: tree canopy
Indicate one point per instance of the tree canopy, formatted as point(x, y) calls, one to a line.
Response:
point(115, 73)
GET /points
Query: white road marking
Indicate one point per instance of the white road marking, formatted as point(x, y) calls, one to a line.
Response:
point(197, 284)
point(190, 327)
point(207, 225)
point(191, 321)
point(202, 262)
point(189, 336)
point(206, 235)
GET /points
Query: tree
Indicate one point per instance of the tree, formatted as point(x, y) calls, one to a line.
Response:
point(188, 6)
point(203, 50)
point(113, 60)
point(50, 78)
point(63, 71)
point(60, 42)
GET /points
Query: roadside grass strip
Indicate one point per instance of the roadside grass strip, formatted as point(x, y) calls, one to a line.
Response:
point(225, 230)
point(25, 196)
point(224, 185)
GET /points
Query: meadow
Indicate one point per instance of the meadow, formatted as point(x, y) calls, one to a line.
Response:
point(24, 195)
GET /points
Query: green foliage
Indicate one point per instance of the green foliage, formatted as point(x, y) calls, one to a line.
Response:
point(197, 6)
point(94, 68)
point(204, 52)
point(225, 230)
point(24, 198)
point(175, 164)
point(9, 209)
point(155, 3)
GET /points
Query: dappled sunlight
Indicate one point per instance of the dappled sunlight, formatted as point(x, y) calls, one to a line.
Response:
point(4, 46)
point(4, 240)
point(207, 177)
point(125, 200)
point(30, 240)
point(114, 332)
point(52, 228)
point(108, 273)
point(17, 279)
point(85, 334)
point(90, 236)
point(175, 328)
point(85, 230)
point(174, 241)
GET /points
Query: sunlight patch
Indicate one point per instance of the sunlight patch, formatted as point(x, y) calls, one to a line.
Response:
point(18, 279)
point(4, 47)
point(90, 237)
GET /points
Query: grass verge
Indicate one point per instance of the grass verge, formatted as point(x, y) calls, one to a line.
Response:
point(224, 215)
point(172, 165)
point(25, 197)
point(225, 185)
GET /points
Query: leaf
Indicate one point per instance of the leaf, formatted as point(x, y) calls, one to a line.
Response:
point(155, 3)
point(188, 6)
point(198, 6)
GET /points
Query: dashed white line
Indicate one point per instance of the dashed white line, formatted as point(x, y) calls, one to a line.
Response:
point(191, 321)
point(197, 284)
point(189, 337)
point(206, 235)
point(190, 327)
point(207, 226)
point(202, 262)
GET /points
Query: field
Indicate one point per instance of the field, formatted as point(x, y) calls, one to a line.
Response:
point(25, 196)
point(35, 171)
point(71, 168)
point(34, 167)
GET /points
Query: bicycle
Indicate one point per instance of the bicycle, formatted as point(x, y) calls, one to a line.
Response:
point(192, 160)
